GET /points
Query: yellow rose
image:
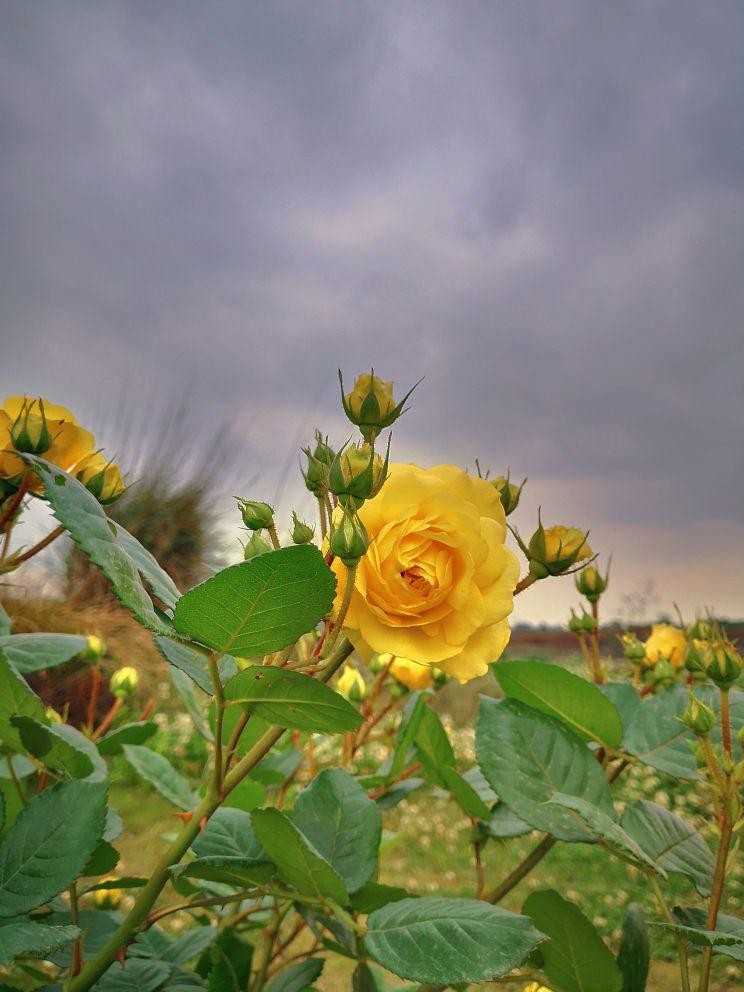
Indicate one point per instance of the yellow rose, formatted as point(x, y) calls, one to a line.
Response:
point(411, 674)
point(352, 685)
point(536, 987)
point(666, 643)
point(437, 582)
point(124, 682)
point(101, 477)
point(107, 898)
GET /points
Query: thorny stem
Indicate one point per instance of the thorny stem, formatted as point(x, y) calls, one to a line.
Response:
point(323, 518)
point(524, 583)
point(523, 868)
point(726, 827)
point(345, 604)
point(16, 501)
point(274, 537)
point(43, 543)
point(219, 713)
point(597, 673)
point(77, 947)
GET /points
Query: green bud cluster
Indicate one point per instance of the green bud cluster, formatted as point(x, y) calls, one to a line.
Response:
point(256, 515)
point(319, 459)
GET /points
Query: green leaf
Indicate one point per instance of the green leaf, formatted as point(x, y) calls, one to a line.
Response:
point(464, 794)
point(608, 830)
point(247, 795)
point(658, 738)
point(296, 859)
point(433, 747)
point(373, 895)
point(575, 958)
point(36, 939)
point(552, 690)
point(448, 940)
point(672, 843)
point(342, 823)
point(261, 605)
point(240, 872)
point(192, 700)
point(407, 729)
point(103, 860)
point(159, 772)
point(87, 746)
point(634, 953)
point(139, 975)
point(194, 663)
point(503, 823)
point(700, 937)
point(35, 652)
point(290, 699)
point(527, 757)
point(52, 749)
point(297, 977)
point(16, 699)
point(161, 584)
point(130, 733)
point(49, 844)
point(732, 926)
point(96, 535)
point(229, 833)
point(624, 698)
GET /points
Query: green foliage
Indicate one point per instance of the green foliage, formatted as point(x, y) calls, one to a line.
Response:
point(575, 958)
point(261, 605)
point(552, 690)
point(159, 772)
point(528, 757)
point(290, 699)
point(36, 652)
point(49, 844)
point(634, 954)
point(35, 939)
point(448, 940)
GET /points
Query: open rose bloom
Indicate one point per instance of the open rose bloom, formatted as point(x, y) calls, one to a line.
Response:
point(437, 583)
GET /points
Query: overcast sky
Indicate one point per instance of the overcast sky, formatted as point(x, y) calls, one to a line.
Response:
point(536, 205)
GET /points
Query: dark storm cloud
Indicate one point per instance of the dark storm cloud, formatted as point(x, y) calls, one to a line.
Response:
point(537, 205)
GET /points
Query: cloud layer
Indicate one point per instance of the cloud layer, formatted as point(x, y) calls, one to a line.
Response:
point(536, 205)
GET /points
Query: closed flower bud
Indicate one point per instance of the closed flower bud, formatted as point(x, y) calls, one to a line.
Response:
point(352, 685)
point(124, 682)
point(255, 545)
point(30, 432)
point(693, 654)
point(302, 533)
point(100, 477)
point(349, 540)
point(699, 717)
point(554, 550)
point(575, 624)
point(591, 583)
point(702, 630)
point(662, 671)
point(107, 898)
point(52, 715)
point(633, 649)
point(357, 474)
point(508, 491)
point(371, 405)
point(96, 648)
point(536, 987)
point(256, 515)
point(319, 460)
point(588, 623)
point(722, 663)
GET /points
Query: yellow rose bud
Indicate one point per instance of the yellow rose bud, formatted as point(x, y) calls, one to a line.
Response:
point(100, 477)
point(536, 987)
point(665, 643)
point(352, 685)
point(318, 462)
point(70, 444)
point(349, 539)
point(722, 663)
point(553, 550)
point(124, 682)
point(633, 649)
point(107, 898)
point(96, 648)
point(699, 717)
point(411, 674)
point(438, 583)
point(371, 405)
point(255, 545)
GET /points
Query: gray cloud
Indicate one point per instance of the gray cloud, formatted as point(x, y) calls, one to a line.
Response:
point(537, 205)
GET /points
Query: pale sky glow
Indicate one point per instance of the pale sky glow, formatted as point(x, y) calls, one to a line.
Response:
point(537, 205)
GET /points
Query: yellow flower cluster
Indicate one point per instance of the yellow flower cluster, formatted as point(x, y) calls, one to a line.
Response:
point(43, 428)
